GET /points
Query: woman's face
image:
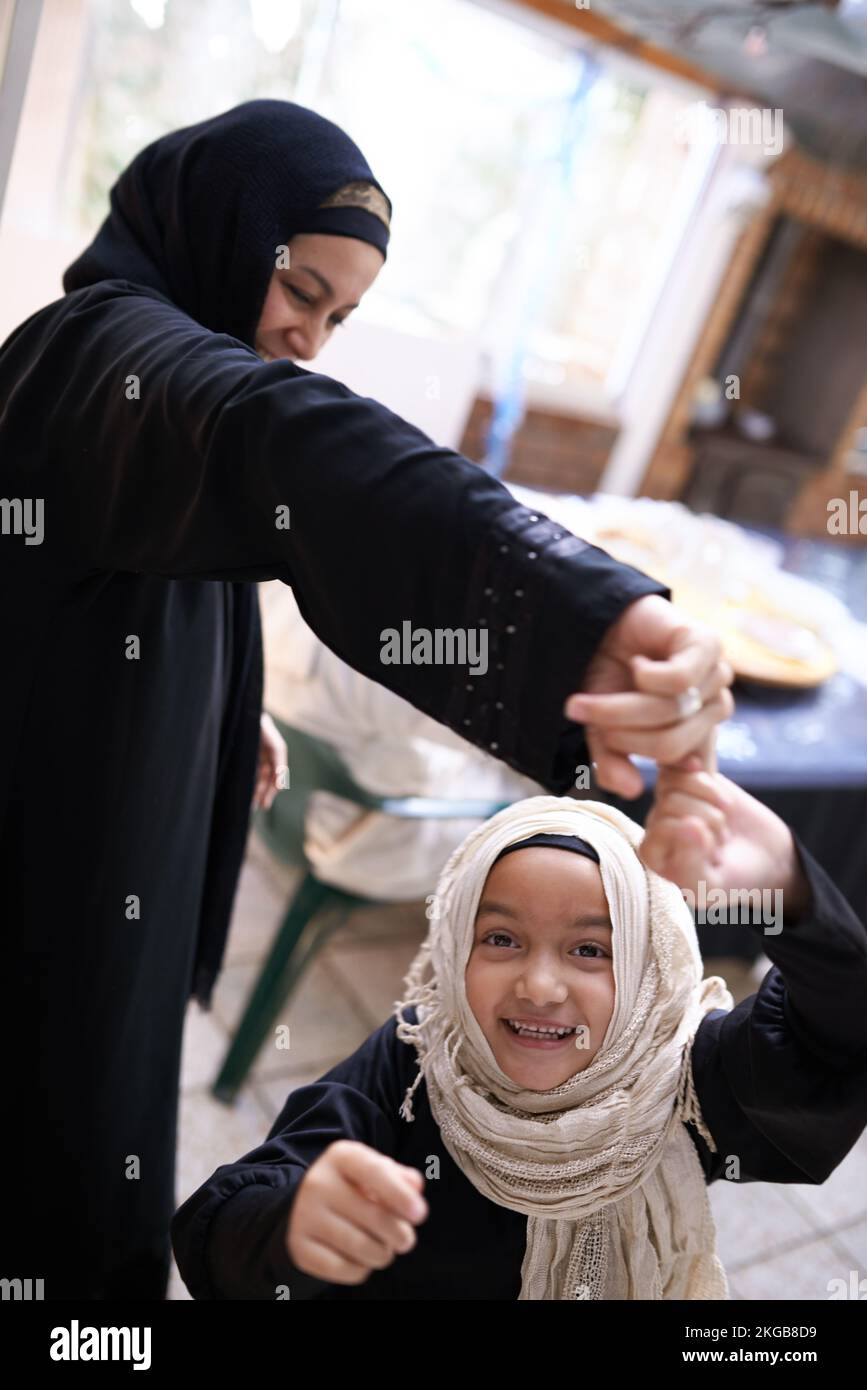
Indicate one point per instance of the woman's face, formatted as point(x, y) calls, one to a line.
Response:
point(542, 956)
point(324, 282)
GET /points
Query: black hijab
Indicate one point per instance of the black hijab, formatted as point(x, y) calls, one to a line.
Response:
point(198, 214)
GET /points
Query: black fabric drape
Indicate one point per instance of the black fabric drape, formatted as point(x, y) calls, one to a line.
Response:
point(239, 745)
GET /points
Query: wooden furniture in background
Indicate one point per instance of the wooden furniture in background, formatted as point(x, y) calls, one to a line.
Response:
point(792, 320)
point(558, 452)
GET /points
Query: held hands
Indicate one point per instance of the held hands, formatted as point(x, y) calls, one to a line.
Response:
point(630, 703)
point(703, 827)
point(353, 1213)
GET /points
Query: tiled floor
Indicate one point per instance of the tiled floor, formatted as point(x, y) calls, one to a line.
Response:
point(776, 1241)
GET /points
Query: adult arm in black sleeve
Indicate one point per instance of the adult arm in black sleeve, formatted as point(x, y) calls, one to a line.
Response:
point(229, 1237)
point(160, 447)
point(782, 1078)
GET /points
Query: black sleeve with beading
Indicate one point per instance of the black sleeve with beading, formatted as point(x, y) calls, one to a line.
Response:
point(162, 448)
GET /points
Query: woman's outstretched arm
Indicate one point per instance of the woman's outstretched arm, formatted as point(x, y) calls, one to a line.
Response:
point(162, 448)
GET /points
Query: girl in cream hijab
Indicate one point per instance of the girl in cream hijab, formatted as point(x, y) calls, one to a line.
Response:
point(557, 997)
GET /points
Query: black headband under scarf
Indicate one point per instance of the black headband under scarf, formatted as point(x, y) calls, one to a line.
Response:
point(573, 842)
point(198, 214)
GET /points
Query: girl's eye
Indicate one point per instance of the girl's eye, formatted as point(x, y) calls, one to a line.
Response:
point(495, 938)
point(591, 945)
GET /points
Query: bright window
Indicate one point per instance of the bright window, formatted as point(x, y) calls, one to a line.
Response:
point(535, 187)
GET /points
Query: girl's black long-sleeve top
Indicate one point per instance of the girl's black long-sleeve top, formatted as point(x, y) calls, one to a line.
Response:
point(781, 1079)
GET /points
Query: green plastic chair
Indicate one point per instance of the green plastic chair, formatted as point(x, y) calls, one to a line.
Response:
point(316, 910)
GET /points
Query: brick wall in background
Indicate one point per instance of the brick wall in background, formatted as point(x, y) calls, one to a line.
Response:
point(563, 453)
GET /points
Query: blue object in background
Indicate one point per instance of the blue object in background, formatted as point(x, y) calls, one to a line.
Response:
point(508, 409)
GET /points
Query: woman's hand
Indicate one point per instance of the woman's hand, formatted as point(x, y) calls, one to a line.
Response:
point(703, 827)
point(629, 701)
point(353, 1213)
point(273, 756)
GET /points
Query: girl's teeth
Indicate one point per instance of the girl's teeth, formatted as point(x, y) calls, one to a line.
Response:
point(527, 1032)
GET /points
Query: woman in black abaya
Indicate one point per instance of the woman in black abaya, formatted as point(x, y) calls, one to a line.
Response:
point(157, 415)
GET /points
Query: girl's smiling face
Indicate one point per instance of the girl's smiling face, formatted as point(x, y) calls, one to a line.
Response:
point(542, 956)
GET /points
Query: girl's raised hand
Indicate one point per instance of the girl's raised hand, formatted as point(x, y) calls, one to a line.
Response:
point(703, 827)
point(353, 1213)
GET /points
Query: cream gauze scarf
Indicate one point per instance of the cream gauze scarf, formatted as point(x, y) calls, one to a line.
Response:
point(602, 1166)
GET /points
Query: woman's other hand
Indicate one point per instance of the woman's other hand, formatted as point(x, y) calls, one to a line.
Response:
point(273, 756)
point(650, 657)
point(354, 1212)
